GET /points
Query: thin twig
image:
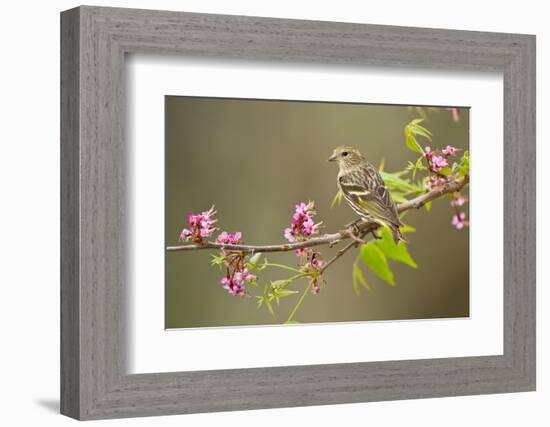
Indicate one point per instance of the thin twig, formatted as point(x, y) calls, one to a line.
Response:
point(338, 255)
point(299, 303)
point(329, 239)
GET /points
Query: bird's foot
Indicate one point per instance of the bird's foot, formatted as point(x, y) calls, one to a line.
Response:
point(353, 223)
point(375, 236)
point(357, 239)
point(356, 234)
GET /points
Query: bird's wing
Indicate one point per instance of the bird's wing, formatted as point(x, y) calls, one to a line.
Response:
point(366, 190)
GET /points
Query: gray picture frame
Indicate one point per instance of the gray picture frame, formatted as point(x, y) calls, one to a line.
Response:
point(94, 380)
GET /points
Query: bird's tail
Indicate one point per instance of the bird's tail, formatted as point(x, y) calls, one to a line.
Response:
point(397, 235)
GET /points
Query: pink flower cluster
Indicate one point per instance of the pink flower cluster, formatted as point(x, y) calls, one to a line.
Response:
point(237, 275)
point(436, 181)
point(459, 221)
point(302, 225)
point(200, 226)
point(437, 161)
point(301, 228)
point(226, 238)
point(449, 151)
point(458, 201)
point(459, 218)
point(235, 283)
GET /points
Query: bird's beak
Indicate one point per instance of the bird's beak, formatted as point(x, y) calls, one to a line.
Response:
point(332, 158)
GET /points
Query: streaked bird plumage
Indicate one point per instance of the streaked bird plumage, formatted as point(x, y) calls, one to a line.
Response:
point(365, 190)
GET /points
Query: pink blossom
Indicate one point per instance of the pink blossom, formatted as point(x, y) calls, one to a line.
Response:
point(229, 239)
point(200, 226)
point(314, 263)
point(428, 153)
point(303, 252)
point(455, 114)
point(313, 266)
point(308, 226)
point(435, 181)
point(234, 287)
point(237, 275)
point(302, 225)
point(449, 150)
point(244, 275)
point(315, 289)
point(303, 209)
point(459, 221)
point(289, 235)
point(235, 283)
point(438, 163)
point(458, 201)
point(185, 234)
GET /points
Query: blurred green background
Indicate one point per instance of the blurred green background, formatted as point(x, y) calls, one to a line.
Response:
point(255, 159)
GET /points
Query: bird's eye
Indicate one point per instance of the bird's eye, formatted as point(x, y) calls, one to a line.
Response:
point(344, 154)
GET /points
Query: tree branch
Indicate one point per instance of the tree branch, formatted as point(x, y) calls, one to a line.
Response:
point(329, 239)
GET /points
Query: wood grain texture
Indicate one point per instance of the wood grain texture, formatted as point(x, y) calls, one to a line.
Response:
point(95, 274)
point(70, 292)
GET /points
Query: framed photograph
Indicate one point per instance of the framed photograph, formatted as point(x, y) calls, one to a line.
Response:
point(262, 213)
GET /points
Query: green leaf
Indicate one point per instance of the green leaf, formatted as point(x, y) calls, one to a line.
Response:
point(411, 131)
point(464, 167)
point(428, 206)
point(254, 259)
point(277, 284)
point(356, 285)
point(280, 293)
point(418, 165)
point(412, 144)
point(218, 260)
point(414, 126)
point(337, 199)
point(407, 229)
point(420, 130)
point(398, 197)
point(382, 163)
point(397, 252)
point(374, 258)
point(269, 307)
point(266, 299)
point(394, 182)
point(291, 322)
point(359, 279)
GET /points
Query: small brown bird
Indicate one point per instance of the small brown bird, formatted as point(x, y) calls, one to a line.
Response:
point(365, 190)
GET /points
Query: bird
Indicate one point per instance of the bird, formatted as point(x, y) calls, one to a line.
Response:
point(365, 190)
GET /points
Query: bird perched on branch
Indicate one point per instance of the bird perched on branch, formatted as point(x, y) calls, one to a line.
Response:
point(365, 190)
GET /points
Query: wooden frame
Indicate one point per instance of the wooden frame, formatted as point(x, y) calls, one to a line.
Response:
point(94, 382)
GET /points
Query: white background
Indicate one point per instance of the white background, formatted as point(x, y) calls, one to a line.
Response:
point(30, 210)
point(154, 350)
